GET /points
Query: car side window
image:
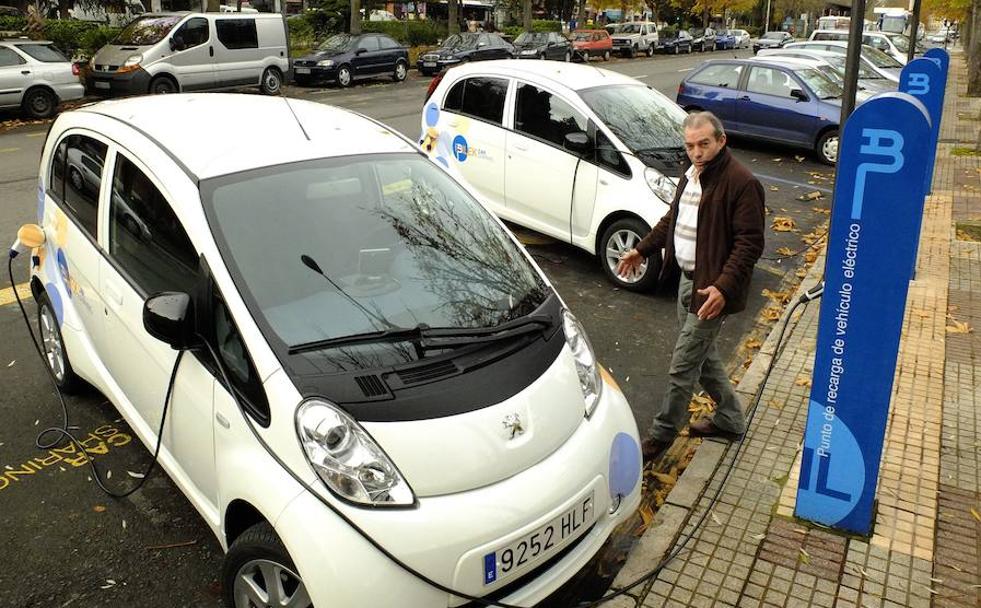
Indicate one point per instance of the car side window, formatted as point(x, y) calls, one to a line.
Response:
point(8, 57)
point(194, 32)
point(540, 114)
point(237, 33)
point(76, 179)
point(770, 81)
point(719, 75)
point(387, 43)
point(368, 43)
point(483, 40)
point(145, 237)
point(478, 97)
point(238, 364)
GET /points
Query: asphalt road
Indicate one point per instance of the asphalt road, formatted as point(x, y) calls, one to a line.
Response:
point(67, 544)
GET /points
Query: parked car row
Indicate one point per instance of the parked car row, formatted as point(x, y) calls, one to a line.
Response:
point(35, 77)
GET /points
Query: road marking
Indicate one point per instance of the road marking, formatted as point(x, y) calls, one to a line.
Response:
point(7, 295)
point(686, 70)
point(2, 150)
point(41, 134)
point(639, 76)
point(770, 178)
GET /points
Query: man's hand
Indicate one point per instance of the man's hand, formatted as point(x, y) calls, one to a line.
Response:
point(714, 303)
point(629, 263)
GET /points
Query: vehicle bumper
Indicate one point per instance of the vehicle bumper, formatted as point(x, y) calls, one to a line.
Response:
point(111, 84)
point(446, 537)
point(315, 73)
point(431, 67)
point(70, 92)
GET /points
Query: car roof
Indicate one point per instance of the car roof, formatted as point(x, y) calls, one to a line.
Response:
point(787, 62)
point(817, 53)
point(246, 131)
point(24, 41)
point(574, 76)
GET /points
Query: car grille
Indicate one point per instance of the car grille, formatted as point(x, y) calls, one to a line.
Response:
point(106, 68)
point(430, 57)
point(304, 63)
point(621, 42)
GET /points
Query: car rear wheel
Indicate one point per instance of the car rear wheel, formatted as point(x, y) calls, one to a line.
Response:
point(606, 55)
point(650, 50)
point(53, 345)
point(39, 103)
point(677, 49)
point(401, 71)
point(827, 147)
point(568, 56)
point(619, 238)
point(272, 81)
point(259, 572)
point(344, 76)
point(162, 85)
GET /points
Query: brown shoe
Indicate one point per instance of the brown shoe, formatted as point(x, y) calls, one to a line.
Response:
point(706, 428)
point(653, 450)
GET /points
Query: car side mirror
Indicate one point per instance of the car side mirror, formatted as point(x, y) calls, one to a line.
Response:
point(798, 94)
point(167, 316)
point(177, 43)
point(481, 44)
point(577, 142)
point(360, 51)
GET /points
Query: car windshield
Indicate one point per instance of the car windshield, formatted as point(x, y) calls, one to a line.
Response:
point(880, 59)
point(337, 247)
point(582, 36)
point(902, 43)
point(43, 52)
point(840, 61)
point(772, 36)
point(532, 38)
point(629, 28)
point(820, 83)
point(145, 31)
point(338, 42)
point(696, 32)
point(640, 117)
point(458, 41)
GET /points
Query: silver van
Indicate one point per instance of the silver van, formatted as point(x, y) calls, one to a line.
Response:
point(178, 52)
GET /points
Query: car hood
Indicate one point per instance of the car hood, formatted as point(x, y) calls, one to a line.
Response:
point(320, 55)
point(667, 40)
point(625, 36)
point(114, 54)
point(767, 43)
point(475, 449)
point(524, 46)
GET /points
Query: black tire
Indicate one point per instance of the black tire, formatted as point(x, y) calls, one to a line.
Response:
point(650, 50)
point(543, 57)
point(260, 542)
point(344, 76)
point(606, 55)
point(827, 147)
point(647, 282)
point(568, 56)
point(39, 103)
point(677, 49)
point(272, 82)
point(163, 85)
point(401, 71)
point(68, 382)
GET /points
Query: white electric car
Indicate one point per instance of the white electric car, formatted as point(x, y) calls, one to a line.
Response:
point(391, 369)
point(587, 156)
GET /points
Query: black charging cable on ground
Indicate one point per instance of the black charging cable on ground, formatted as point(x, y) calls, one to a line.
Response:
point(63, 432)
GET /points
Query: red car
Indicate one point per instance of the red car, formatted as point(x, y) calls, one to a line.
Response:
point(592, 43)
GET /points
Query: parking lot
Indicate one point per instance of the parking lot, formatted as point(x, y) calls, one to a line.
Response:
point(70, 545)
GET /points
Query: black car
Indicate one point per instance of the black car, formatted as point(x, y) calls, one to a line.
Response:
point(11, 11)
point(463, 47)
point(543, 45)
point(345, 58)
point(772, 40)
point(703, 39)
point(670, 40)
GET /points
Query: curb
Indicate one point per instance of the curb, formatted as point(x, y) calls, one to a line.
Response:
point(680, 503)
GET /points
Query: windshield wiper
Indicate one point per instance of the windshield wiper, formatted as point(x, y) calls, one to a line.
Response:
point(433, 338)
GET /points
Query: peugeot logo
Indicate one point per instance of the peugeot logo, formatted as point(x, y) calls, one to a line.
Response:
point(512, 422)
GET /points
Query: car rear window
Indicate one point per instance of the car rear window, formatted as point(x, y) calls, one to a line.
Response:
point(43, 52)
point(719, 75)
point(478, 97)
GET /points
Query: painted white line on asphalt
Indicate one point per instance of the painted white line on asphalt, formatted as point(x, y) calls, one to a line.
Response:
point(779, 180)
point(2, 150)
point(639, 76)
point(42, 134)
point(686, 70)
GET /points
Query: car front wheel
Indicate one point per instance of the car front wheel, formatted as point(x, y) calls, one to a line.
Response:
point(259, 572)
point(344, 76)
point(619, 238)
point(827, 147)
point(401, 71)
point(606, 55)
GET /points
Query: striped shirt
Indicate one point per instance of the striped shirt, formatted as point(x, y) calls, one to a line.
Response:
point(686, 225)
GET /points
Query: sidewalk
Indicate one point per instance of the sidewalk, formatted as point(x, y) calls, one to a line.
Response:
point(926, 547)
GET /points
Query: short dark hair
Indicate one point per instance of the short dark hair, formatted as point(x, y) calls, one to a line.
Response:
point(697, 119)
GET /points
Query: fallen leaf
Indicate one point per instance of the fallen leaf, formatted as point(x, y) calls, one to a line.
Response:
point(801, 273)
point(805, 557)
point(778, 297)
point(810, 196)
point(752, 344)
point(799, 159)
point(775, 404)
point(774, 189)
point(777, 160)
point(11, 364)
point(771, 313)
point(785, 251)
point(783, 224)
point(803, 381)
point(758, 536)
point(958, 327)
point(821, 210)
point(99, 508)
point(923, 314)
point(647, 514)
point(975, 513)
point(716, 519)
point(665, 478)
point(810, 256)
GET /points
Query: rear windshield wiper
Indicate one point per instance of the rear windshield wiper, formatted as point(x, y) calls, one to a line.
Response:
point(433, 338)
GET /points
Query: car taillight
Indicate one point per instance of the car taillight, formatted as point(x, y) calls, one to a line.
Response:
point(435, 83)
point(681, 88)
point(75, 69)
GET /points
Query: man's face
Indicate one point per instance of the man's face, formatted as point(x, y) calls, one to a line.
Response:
point(701, 144)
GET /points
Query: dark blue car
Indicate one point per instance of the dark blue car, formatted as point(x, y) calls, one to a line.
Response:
point(777, 100)
point(725, 39)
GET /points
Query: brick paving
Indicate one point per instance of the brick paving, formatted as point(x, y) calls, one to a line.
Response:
point(925, 550)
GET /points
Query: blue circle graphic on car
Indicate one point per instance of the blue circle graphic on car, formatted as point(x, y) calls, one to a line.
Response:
point(432, 115)
point(625, 464)
point(460, 148)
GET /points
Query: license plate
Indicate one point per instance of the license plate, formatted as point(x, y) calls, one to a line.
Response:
point(532, 548)
point(101, 84)
point(302, 70)
point(428, 64)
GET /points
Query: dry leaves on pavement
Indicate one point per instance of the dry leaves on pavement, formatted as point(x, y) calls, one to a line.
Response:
point(752, 344)
point(777, 297)
point(821, 210)
point(803, 381)
point(810, 256)
point(810, 196)
point(785, 251)
point(801, 272)
point(958, 327)
point(782, 223)
point(771, 313)
point(701, 404)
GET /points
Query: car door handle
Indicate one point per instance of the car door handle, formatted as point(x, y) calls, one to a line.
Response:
point(25, 71)
point(744, 98)
point(604, 182)
point(211, 51)
point(454, 123)
point(522, 147)
point(113, 294)
point(222, 421)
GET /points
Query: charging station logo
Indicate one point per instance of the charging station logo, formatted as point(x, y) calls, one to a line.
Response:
point(460, 148)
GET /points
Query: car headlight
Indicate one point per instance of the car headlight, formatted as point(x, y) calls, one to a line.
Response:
point(586, 366)
point(132, 63)
point(326, 63)
point(347, 459)
point(528, 52)
point(660, 184)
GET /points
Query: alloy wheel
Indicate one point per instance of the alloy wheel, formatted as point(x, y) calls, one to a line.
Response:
point(54, 350)
point(262, 583)
point(619, 243)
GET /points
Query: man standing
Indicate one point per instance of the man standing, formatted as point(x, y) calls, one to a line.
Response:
point(714, 233)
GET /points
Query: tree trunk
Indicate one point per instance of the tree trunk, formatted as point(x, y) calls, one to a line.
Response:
point(453, 16)
point(526, 15)
point(581, 19)
point(355, 17)
point(974, 52)
point(705, 17)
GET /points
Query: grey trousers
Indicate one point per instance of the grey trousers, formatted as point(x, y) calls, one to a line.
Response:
point(696, 359)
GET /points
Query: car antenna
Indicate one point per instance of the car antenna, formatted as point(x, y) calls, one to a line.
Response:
point(282, 94)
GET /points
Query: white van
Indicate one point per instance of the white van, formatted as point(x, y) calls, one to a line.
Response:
point(584, 155)
point(894, 45)
point(89, 11)
point(377, 383)
point(178, 52)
